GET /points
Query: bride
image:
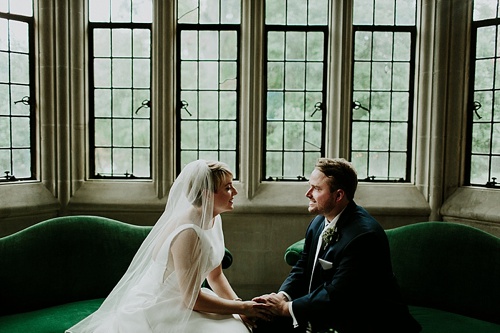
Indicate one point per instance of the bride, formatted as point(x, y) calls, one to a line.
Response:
point(161, 290)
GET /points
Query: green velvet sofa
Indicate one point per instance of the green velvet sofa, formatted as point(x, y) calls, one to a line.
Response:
point(449, 274)
point(58, 271)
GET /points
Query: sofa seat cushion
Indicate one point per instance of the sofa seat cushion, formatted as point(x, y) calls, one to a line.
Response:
point(54, 319)
point(438, 321)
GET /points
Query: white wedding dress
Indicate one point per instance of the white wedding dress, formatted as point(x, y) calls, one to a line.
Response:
point(155, 303)
point(157, 293)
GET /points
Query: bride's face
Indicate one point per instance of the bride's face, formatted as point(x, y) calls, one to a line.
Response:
point(223, 197)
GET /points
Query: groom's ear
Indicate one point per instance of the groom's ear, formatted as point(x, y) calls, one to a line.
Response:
point(339, 195)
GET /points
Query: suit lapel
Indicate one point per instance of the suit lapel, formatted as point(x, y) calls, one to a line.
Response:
point(318, 228)
point(313, 265)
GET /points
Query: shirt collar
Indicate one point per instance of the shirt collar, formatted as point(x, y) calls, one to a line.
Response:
point(333, 222)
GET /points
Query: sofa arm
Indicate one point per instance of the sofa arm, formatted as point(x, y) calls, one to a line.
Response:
point(292, 253)
point(227, 260)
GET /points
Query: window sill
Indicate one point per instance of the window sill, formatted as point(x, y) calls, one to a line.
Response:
point(381, 200)
point(23, 204)
point(271, 197)
point(128, 201)
point(26, 199)
point(137, 202)
point(474, 206)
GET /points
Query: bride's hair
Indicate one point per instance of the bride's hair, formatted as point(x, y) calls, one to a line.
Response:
point(200, 183)
point(220, 171)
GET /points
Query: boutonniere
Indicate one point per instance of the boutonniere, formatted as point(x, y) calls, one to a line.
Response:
point(330, 235)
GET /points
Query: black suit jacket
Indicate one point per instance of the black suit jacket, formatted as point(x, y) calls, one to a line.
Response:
point(356, 290)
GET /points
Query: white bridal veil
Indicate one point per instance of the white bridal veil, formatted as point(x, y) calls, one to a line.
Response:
point(190, 202)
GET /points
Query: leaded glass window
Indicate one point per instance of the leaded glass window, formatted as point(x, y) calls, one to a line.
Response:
point(383, 82)
point(17, 107)
point(296, 35)
point(484, 112)
point(120, 88)
point(208, 53)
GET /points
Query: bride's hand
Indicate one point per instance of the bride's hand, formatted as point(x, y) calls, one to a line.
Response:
point(249, 322)
point(253, 310)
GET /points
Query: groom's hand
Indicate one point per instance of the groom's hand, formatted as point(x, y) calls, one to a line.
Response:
point(277, 303)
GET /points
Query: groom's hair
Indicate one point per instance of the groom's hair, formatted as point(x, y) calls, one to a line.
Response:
point(341, 173)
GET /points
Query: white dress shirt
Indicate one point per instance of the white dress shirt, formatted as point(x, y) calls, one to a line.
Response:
point(328, 224)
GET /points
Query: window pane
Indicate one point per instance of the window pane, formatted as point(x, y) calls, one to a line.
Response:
point(360, 137)
point(384, 12)
point(19, 68)
point(318, 14)
point(485, 9)
point(383, 71)
point(208, 75)
point(274, 136)
point(380, 103)
point(275, 12)
point(121, 81)
point(227, 42)
point(405, 12)
point(19, 7)
point(142, 133)
point(230, 13)
point(99, 10)
point(293, 165)
point(479, 164)
point(484, 125)
point(378, 167)
point(296, 35)
point(122, 103)
point(19, 36)
point(141, 73)
point(228, 105)
point(296, 12)
point(209, 108)
point(142, 11)
point(102, 42)
point(208, 82)
point(295, 75)
point(402, 47)
point(363, 12)
point(20, 107)
point(315, 46)
point(103, 132)
point(397, 165)
point(121, 11)
point(141, 43)
point(141, 162)
point(382, 75)
point(382, 46)
point(21, 161)
point(17, 130)
point(227, 135)
point(481, 138)
point(293, 135)
point(209, 11)
point(363, 44)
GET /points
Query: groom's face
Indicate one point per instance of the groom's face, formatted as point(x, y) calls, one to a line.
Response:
point(321, 200)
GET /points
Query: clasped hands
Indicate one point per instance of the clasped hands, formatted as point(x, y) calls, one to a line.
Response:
point(266, 307)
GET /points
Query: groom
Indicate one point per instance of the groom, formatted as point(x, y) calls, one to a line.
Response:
point(343, 280)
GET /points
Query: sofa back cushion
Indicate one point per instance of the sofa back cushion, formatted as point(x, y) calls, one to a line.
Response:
point(63, 260)
point(448, 266)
